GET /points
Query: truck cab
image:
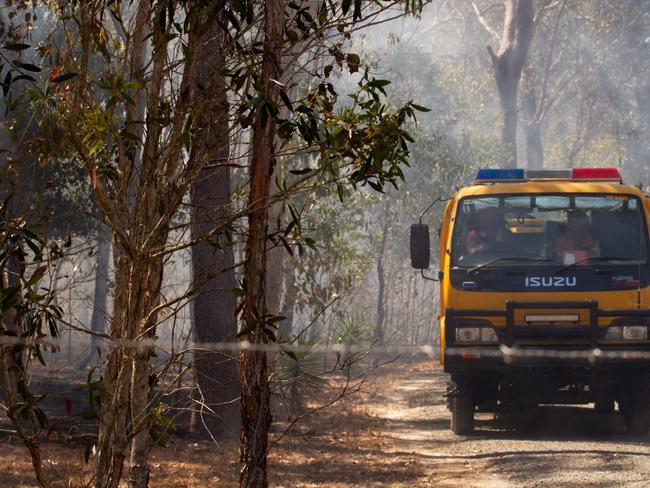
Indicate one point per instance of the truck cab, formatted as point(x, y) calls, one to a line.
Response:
point(544, 297)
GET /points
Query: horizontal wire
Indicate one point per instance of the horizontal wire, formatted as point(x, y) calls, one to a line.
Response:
point(470, 353)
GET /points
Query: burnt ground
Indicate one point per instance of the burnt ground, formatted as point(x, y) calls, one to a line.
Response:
point(393, 433)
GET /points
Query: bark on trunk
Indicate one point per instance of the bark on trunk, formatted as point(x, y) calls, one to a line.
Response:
point(111, 442)
point(212, 262)
point(214, 312)
point(127, 376)
point(255, 399)
point(508, 64)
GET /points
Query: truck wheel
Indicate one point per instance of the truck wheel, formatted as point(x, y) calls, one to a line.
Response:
point(636, 410)
point(462, 408)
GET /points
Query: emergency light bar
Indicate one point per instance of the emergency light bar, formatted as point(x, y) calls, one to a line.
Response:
point(519, 174)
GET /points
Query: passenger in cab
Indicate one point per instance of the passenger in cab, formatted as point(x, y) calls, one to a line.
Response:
point(577, 243)
point(490, 233)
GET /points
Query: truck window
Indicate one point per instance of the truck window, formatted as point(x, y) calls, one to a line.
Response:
point(543, 229)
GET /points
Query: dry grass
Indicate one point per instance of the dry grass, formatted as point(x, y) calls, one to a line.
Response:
point(342, 446)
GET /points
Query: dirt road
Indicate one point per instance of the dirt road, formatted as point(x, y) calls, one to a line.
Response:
point(394, 433)
point(551, 446)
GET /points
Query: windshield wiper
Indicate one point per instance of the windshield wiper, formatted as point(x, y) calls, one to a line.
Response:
point(478, 268)
point(594, 258)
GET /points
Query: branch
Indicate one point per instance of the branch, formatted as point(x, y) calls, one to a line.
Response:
point(547, 67)
point(546, 7)
point(483, 21)
point(493, 55)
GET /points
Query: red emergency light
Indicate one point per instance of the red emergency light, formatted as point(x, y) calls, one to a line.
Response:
point(596, 174)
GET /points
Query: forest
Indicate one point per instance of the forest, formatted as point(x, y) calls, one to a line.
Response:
point(205, 208)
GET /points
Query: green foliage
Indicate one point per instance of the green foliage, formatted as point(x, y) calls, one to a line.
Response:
point(33, 145)
point(300, 369)
point(354, 330)
point(32, 315)
point(94, 391)
point(340, 256)
point(160, 425)
point(35, 308)
point(365, 142)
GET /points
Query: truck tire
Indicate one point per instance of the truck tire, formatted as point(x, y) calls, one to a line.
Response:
point(636, 409)
point(462, 408)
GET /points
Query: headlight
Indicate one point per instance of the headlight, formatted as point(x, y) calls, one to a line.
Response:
point(627, 333)
point(635, 333)
point(488, 335)
point(468, 334)
point(476, 334)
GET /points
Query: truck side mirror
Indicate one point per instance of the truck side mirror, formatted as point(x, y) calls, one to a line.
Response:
point(420, 246)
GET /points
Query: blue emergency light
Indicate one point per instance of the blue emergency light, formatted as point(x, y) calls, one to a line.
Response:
point(487, 174)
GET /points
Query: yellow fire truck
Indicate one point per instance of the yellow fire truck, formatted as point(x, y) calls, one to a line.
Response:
point(544, 293)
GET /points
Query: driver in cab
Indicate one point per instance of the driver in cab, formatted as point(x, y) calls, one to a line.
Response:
point(489, 235)
point(577, 244)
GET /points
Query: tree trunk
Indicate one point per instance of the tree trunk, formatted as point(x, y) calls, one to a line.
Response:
point(275, 255)
point(534, 146)
point(138, 279)
point(100, 297)
point(381, 287)
point(213, 262)
point(214, 308)
point(254, 376)
point(508, 64)
point(139, 207)
point(637, 152)
point(127, 376)
point(285, 327)
point(148, 281)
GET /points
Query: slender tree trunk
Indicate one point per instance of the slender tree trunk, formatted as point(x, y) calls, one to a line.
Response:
point(381, 287)
point(254, 375)
point(534, 147)
point(139, 207)
point(141, 383)
point(144, 227)
point(13, 379)
point(127, 375)
point(508, 63)
point(509, 128)
point(275, 255)
point(213, 262)
point(100, 297)
point(288, 302)
point(637, 151)
point(11, 323)
point(392, 291)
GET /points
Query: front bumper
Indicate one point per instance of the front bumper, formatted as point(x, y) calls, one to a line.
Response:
point(524, 349)
point(524, 361)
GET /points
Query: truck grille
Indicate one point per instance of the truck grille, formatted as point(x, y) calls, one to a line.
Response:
point(549, 333)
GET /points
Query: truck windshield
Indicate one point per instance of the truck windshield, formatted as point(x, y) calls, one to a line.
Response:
point(542, 229)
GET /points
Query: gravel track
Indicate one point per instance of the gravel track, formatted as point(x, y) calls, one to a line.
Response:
point(550, 446)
